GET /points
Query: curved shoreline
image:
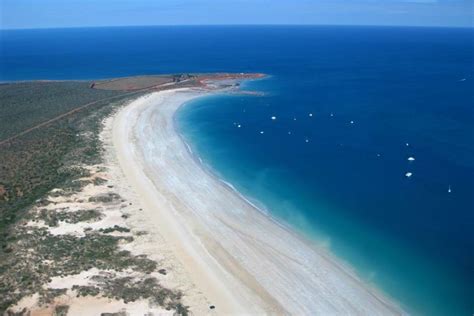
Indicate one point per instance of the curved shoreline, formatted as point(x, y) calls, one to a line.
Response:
point(219, 235)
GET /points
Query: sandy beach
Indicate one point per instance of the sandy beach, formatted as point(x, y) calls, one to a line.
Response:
point(241, 260)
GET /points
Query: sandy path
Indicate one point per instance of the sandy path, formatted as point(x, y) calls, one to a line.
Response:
point(241, 260)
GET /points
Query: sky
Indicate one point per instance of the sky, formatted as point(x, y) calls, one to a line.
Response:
point(87, 13)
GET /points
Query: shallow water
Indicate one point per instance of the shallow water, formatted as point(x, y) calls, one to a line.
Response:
point(343, 184)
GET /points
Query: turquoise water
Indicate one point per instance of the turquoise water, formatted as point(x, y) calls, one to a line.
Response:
point(380, 259)
point(346, 187)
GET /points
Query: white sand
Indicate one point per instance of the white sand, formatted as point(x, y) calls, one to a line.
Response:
point(239, 258)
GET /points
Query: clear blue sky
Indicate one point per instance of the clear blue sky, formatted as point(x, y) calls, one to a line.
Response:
point(78, 13)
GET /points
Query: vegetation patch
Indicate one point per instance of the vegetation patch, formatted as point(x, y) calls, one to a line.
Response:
point(42, 101)
point(99, 181)
point(105, 198)
point(53, 217)
point(61, 310)
point(40, 256)
point(116, 228)
point(50, 157)
point(130, 289)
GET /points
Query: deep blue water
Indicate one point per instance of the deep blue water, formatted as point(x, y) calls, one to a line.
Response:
point(346, 187)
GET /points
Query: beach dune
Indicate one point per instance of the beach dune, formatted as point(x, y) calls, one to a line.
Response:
point(242, 260)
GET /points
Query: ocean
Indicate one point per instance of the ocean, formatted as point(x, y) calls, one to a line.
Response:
point(368, 134)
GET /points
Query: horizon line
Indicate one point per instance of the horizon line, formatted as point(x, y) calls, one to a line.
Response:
point(231, 25)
